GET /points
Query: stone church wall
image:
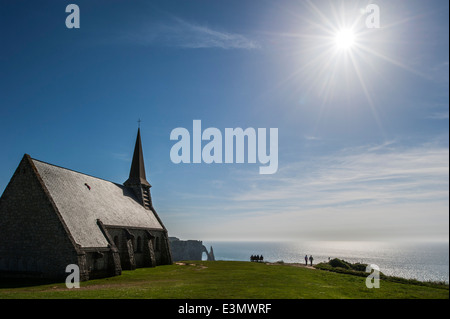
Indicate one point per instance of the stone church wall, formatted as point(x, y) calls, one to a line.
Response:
point(100, 263)
point(138, 247)
point(33, 240)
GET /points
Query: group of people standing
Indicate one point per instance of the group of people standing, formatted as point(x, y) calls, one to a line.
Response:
point(256, 258)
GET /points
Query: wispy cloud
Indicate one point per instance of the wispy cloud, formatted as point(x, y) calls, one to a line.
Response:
point(122, 156)
point(181, 33)
point(312, 138)
point(377, 191)
point(375, 174)
point(439, 116)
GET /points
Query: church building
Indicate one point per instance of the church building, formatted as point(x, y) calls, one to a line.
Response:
point(51, 217)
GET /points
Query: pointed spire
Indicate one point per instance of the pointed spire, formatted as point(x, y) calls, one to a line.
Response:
point(137, 171)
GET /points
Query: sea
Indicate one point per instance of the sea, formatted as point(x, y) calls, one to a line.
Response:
point(421, 261)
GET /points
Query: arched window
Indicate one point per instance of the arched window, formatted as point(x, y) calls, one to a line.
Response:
point(158, 245)
point(139, 245)
point(116, 241)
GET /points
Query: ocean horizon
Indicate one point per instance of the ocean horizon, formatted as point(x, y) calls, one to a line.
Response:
point(421, 261)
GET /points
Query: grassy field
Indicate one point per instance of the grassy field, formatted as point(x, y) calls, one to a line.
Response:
point(226, 280)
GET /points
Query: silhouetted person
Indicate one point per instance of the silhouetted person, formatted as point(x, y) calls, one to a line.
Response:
point(311, 259)
point(306, 260)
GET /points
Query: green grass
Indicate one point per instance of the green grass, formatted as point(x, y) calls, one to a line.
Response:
point(226, 280)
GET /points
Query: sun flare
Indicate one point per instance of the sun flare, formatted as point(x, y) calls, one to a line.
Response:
point(344, 39)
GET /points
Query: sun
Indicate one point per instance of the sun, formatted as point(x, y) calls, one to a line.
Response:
point(344, 39)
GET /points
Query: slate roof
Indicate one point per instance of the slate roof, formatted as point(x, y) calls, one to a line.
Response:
point(82, 199)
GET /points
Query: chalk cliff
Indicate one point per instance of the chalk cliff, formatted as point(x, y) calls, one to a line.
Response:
point(189, 249)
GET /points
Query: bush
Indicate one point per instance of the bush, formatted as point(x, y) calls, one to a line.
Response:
point(340, 263)
point(336, 262)
point(359, 267)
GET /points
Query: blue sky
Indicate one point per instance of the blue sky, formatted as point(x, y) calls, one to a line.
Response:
point(363, 133)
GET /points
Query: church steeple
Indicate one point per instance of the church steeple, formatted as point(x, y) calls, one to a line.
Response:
point(137, 180)
point(137, 171)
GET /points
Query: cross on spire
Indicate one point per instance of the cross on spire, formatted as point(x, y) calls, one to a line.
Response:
point(139, 123)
